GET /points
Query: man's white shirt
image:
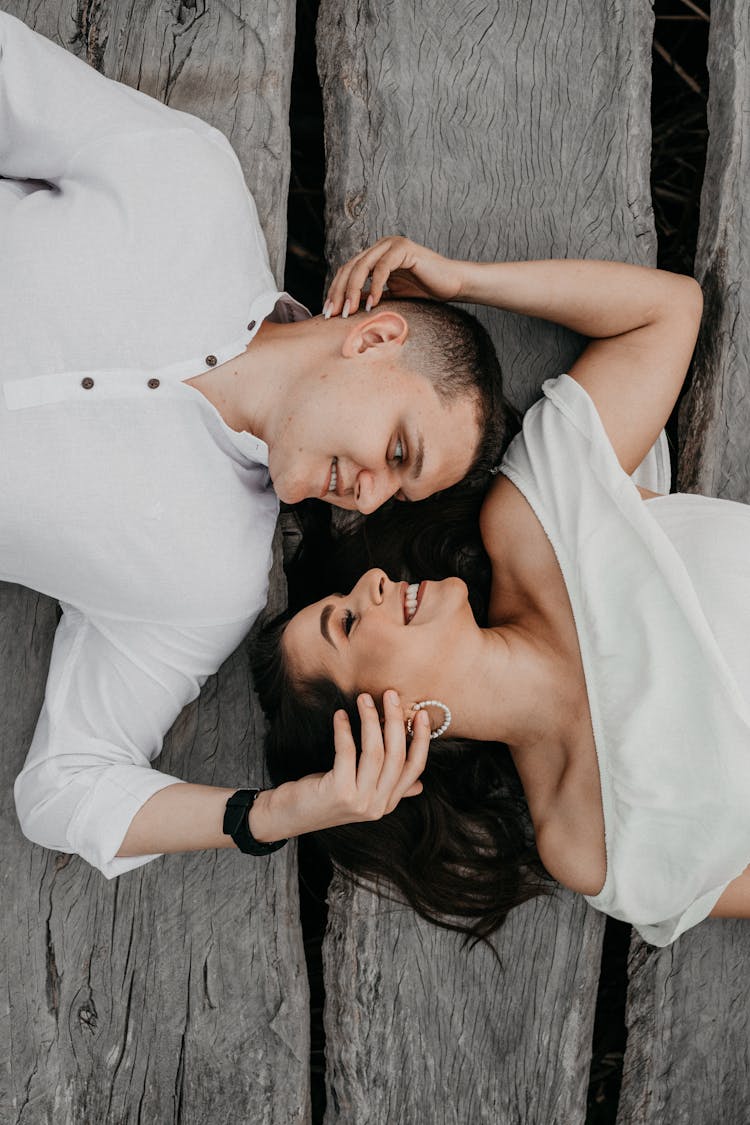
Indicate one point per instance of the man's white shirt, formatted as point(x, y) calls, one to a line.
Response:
point(132, 259)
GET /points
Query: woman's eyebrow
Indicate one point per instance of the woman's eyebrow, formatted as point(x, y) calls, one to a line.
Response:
point(325, 617)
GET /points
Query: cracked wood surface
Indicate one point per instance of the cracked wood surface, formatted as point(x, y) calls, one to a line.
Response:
point(486, 131)
point(177, 993)
point(715, 418)
point(688, 1053)
point(420, 1029)
point(491, 131)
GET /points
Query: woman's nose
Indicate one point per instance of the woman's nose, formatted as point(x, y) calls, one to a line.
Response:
point(373, 586)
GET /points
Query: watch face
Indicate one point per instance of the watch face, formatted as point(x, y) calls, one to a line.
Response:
point(236, 824)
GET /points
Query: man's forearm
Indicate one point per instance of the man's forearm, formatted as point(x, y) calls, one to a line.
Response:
point(187, 818)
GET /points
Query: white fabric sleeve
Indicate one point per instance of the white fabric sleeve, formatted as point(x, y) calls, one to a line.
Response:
point(53, 104)
point(113, 691)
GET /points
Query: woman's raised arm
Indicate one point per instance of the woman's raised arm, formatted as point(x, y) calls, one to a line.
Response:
point(642, 322)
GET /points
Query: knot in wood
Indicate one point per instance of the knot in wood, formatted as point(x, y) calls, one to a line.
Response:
point(355, 202)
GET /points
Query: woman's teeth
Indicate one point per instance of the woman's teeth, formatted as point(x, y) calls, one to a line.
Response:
point(334, 475)
point(410, 601)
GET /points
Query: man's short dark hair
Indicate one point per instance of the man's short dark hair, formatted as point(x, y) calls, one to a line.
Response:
point(448, 346)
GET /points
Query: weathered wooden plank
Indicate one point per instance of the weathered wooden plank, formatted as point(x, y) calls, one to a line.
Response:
point(177, 993)
point(491, 131)
point(427, 1030)
point(688, 1053)
point(715, 417)
point(498, 131)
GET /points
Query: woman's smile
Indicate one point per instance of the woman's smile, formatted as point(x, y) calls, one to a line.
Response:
point(412, 598)
point(359, 639)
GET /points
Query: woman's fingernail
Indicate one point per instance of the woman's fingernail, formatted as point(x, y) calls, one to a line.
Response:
point(392, 697)
point(368, 304)
point(345, 310)
point(327, 309)
point(367, 700)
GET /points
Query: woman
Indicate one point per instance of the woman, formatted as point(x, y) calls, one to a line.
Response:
point(613, 664)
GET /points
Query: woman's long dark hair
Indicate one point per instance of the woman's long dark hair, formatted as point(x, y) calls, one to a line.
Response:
point(462, 853)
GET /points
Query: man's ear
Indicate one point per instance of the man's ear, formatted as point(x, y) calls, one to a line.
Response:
point(374, 330)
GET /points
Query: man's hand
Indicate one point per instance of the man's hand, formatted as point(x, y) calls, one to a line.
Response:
point(351, 791)
point(404, 267)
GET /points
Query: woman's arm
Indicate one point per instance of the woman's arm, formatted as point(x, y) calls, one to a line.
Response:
point(735, 900)
point(642, 322)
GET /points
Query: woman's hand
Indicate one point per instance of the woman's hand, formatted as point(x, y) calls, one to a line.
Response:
point(404, 267)
point(351, 791)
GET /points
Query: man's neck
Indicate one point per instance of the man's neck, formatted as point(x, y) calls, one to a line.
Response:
point(247, 389)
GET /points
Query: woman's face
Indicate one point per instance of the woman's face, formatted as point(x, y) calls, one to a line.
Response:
point(382, 635)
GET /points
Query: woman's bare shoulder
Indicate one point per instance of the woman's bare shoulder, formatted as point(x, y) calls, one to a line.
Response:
point(573, 856)
point(507, 521)
point(564, 793)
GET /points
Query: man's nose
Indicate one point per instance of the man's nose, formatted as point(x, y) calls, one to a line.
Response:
point(373, 489)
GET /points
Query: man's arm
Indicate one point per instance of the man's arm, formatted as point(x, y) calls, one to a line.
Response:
point(189, 817)
point(53, 105)
point(114, 690)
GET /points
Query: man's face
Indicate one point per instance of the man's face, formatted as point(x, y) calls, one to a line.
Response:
point(357, 436)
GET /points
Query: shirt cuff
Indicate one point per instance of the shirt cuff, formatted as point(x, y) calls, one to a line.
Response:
point(102, 819)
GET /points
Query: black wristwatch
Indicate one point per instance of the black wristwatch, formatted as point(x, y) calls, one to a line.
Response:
point(236, 824)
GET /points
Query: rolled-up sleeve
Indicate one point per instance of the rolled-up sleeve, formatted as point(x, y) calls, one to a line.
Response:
point(114, 689)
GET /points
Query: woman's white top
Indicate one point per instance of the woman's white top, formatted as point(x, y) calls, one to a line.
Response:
point(660, 593)
point(131, 259)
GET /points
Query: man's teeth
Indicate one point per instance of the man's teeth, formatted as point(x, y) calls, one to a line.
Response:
point(334, 474)
point(410, 600)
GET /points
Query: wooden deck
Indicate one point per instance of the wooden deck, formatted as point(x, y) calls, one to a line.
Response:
point(178, 993)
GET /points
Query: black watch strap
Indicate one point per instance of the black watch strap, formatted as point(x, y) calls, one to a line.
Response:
point(236, 824)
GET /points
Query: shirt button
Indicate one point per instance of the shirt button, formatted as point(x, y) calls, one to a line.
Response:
point(211, 360)
point(251, 325)
point(153, 384)
point(87, 383)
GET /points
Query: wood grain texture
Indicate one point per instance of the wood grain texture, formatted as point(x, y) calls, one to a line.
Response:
point(422, 1029)
point(172, 994)
point(487, 131)
point(688, 1054)
point(715, 417)
point(491, 131)
point(177, 993)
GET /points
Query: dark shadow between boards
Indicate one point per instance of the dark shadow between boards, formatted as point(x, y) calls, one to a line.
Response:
point(680, 88)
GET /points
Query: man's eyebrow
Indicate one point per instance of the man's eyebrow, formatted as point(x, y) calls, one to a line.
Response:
point(418, 459)
point(325, 617)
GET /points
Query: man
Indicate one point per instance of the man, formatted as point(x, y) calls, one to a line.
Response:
point(153, 380)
